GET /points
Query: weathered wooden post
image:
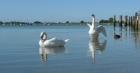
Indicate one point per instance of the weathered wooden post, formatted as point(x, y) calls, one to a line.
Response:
point(129, 20)
point(137, 23)
point(125, 23)
point(120, 21)
point(114, 21)
point(133, 22)
point(136, 20)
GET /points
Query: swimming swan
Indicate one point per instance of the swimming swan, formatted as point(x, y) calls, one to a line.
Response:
point(94, 33)
point(44, 42)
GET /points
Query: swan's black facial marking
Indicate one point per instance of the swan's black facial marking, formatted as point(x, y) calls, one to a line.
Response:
point(93, 15)
point(42, 37)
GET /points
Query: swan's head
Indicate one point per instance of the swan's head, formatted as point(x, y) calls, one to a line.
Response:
point(93, 15)
point(43, 36)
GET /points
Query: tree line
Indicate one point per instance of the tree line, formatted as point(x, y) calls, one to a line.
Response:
point(110, 20)
point(39, 22)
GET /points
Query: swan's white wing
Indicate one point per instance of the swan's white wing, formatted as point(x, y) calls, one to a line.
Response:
point(102, 29)
point(55, 42)
point(52, 39)
point(89, 25)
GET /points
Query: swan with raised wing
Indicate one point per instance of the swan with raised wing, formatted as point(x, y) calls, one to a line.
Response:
point(94, 32)
point(44, 42)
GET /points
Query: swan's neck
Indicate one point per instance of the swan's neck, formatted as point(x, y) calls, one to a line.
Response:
point(44, 37)
point(93, 22)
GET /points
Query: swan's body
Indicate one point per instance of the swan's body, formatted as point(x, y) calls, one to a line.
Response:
point(94, 32)
point(44, 42)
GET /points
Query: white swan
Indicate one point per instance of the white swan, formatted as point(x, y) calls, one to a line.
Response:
point(44, 42)
point(94, 32)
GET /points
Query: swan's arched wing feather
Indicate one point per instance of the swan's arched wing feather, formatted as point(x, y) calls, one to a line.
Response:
point(52, 39)
point(102, 29)
point(56, 42)
point(89, 25)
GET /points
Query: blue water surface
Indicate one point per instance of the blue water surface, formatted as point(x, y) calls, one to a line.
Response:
point(20, 51)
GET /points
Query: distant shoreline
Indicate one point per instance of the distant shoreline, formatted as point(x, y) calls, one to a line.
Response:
point(58, 24)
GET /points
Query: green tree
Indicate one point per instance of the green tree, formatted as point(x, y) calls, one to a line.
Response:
point(67, 22)
point(1, 22)
point(110, 20)
point(103, 21)
point(82, 22)
point(38, 22)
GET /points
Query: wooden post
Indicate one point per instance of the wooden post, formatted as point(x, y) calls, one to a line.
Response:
point(137, 22)
point(133, 26)
point(129, 21)
point(120, 21)
point(114, 21)
point(138, 19)
point(125, 23)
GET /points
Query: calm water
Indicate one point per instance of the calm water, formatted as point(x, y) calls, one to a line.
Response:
point(20, 51)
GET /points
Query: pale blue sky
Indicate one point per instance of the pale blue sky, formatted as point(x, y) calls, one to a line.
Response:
point(65, 10)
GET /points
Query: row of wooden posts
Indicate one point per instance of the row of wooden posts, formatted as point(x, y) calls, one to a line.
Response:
point(131, 21)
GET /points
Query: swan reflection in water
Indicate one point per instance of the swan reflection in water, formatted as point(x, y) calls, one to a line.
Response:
point(94, 44)
point(44, 51)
